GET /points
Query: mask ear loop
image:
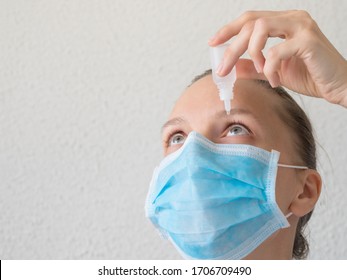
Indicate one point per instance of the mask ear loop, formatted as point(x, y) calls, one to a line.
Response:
point(288, 215)
point(296, 167)
point(292, 166)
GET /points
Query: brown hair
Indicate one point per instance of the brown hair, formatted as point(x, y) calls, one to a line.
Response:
point(296, 119)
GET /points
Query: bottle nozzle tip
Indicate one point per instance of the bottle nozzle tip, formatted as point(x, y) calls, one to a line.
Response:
point(227, 106)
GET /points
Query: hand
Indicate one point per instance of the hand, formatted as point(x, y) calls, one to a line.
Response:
point(305, 61)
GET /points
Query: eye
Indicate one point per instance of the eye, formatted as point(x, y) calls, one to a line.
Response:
point(176, 139)
point(238, 129)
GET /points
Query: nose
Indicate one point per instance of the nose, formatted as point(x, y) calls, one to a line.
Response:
point(207, 131)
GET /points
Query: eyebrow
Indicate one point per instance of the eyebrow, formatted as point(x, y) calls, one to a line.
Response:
point(173, 122)
point(220, 114)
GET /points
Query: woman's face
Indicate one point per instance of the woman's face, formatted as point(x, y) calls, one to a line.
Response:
point(253, 120)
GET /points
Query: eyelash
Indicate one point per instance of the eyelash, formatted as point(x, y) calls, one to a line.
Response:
point(238, 123)
point(167, 140)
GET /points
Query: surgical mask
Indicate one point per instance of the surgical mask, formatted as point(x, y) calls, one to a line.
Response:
point(216, 201)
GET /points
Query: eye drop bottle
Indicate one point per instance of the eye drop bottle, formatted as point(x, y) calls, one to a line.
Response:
point(225, 84)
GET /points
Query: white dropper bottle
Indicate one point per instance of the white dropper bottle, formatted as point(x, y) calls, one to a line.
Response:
point(225, 84)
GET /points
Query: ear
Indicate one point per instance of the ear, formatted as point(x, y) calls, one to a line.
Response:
point(308, 193)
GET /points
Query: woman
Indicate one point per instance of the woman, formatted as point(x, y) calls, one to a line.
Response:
point(245, 185)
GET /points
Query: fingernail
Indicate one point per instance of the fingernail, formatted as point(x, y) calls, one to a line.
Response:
point(274, 84)
point(212, 38)
point(271, 83)
point(220, 68)
point(257, 67)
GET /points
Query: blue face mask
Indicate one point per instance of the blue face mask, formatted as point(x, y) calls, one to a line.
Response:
point(216, 201)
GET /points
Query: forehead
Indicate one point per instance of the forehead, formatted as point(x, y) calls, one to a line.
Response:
point(202, 98)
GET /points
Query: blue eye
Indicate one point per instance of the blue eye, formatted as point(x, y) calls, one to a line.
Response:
point(238, 129)
point(176, 139)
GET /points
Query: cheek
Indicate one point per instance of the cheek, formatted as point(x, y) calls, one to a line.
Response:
point(286, 186)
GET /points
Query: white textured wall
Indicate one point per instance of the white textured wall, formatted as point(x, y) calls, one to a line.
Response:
point(84, 88)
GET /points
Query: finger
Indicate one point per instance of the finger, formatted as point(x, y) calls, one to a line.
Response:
point(278, 26)
point(245, 70)
point(234, 27)
point(236, 48)
point(281, 52)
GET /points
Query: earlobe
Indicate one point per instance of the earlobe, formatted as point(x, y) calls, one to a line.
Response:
point(308, 193)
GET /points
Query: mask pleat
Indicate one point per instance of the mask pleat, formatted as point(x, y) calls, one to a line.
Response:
point(218, 244)
point(204, 193)
point(208, 219)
